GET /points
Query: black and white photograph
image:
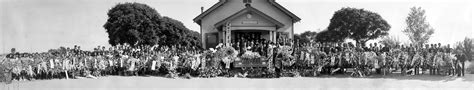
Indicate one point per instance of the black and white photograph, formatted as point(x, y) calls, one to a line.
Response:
point(236, 45)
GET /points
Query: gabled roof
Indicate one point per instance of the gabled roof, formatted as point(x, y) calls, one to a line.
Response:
point(249, 9)
point(286, 11)
point(221, 2)
point(215, 6)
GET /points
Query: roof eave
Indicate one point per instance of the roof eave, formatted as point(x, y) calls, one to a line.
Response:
point(203, 14)
point(286, 11)
point(221, 2)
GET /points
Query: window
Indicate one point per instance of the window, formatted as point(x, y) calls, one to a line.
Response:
point(211, 40)
point(247, 1)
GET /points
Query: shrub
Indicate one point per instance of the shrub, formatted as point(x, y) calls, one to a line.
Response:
point(469, 68)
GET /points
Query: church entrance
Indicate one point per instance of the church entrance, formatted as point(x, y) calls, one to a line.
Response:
point(250, 36)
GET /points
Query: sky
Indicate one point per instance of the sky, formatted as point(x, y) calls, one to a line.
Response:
point(40, 25)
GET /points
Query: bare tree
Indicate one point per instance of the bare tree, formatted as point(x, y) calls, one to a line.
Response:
point(418, 29)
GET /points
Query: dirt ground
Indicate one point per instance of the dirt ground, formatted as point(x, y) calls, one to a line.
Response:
point(323, 82)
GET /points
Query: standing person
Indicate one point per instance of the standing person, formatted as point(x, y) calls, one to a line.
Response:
point(449, 61)
point(429, 58)
point(417, 59)
point(436, 57)
point(243, 47)
point(439, 61)
point(174, 65)
point(382, 63)
point(395, 54)
point(269, 54)
point(237, 47)
point(409, 53)
point(426, 58)
point(462, 58)
point(404, 60)
point(277, 63)
point(456, 65)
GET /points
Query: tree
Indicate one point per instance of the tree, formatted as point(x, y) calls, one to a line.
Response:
point(173, 32)
point(139, 24)
point(297, 37)
point(390, 41)
point(418, 29)
point(306, 37)
point(132, 23)
point(330, 36)
point(358, 24)
point(466, 47)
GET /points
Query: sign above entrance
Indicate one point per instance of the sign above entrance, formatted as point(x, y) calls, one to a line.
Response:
point(250, 22)
point(257, 17)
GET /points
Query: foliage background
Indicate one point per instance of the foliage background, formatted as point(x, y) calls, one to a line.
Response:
point(139, 24)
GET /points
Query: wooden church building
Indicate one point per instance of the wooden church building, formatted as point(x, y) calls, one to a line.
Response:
point(229, 21)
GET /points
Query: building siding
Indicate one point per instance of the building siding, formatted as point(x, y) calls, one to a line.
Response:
point(233, 6)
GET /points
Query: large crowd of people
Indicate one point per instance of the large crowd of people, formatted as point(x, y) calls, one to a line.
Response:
point(117, 60)
point(323, 58)
point(433, 59)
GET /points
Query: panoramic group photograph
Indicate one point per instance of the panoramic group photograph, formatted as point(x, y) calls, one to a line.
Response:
point(236, 44)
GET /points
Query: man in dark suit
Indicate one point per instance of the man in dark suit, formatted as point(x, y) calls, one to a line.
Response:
point(461, 58)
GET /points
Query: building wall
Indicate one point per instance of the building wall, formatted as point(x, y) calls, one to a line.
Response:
point(272, 11)
point(261, 22)
point(233, 6)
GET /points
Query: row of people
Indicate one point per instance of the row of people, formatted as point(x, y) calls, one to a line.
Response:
point(334, 57)
point(117, 60)
point(326, 57)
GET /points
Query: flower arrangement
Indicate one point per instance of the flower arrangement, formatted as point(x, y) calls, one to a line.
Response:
point(102, 64)
point(213, 57)
point(16, 64)
point(288, 60)
point(185, 60)
point(249, 55)
point(207, 58)
point(285, 50)
point(228, 51)
point(209, 72)
point(5, 67)
point(448, 58)
point(429, 59)
point(439, 60)
point(208, 54)
point(417, 58)
point(196, 61)
point(405, 57)
point(142, 64)
point(284, 54)
point(371, 58)
point(132, 64)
